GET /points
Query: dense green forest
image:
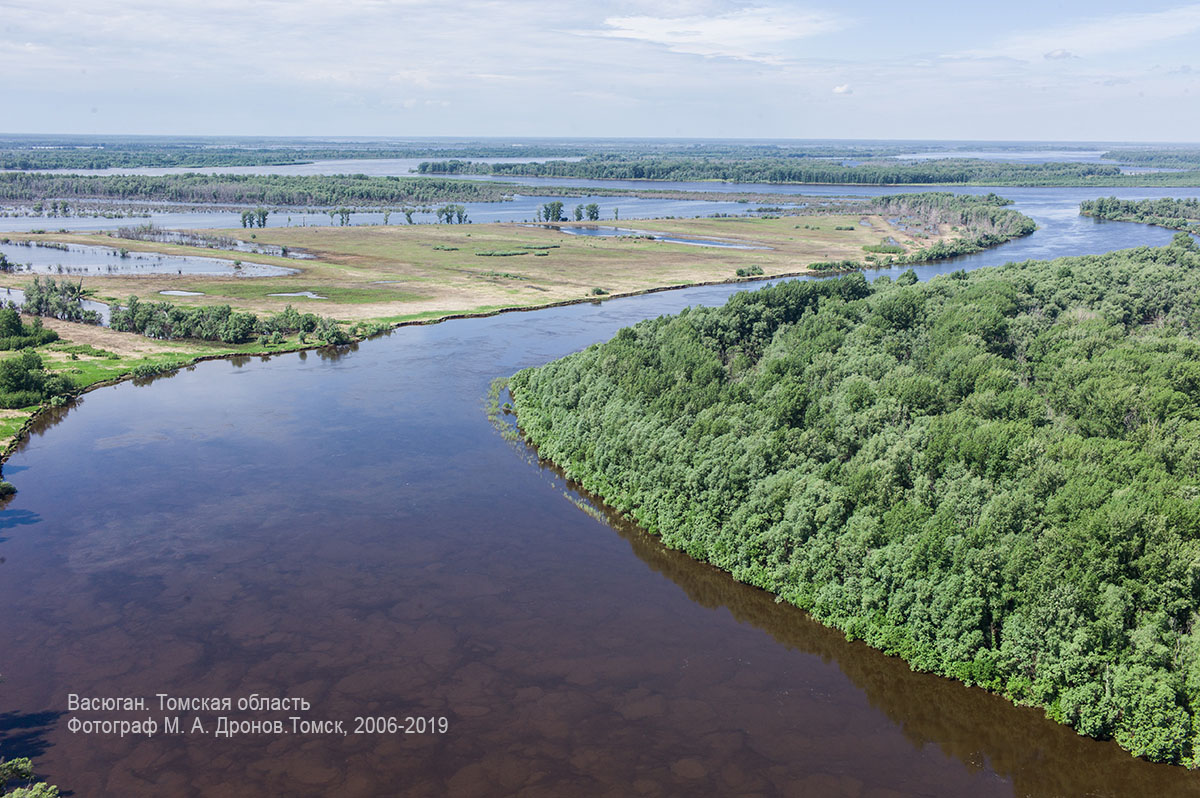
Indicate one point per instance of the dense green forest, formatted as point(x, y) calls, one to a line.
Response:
point(951, 171)
point(273, 190)
point(1176, 214)
point(994, 475)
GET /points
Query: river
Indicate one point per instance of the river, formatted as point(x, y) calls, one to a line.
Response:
point(348, 528)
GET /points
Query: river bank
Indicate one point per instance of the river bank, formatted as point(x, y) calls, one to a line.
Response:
point(871, 479)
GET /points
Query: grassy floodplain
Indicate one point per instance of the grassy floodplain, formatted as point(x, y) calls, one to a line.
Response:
point(419, 273)
point(401, 273)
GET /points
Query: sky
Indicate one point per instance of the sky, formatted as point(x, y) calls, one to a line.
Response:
point(1018, 70)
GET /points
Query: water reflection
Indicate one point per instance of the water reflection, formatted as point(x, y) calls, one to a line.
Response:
point(982, 731)
point(83, 260)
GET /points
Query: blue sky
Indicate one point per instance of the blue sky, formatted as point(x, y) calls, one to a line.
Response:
point(675, 68)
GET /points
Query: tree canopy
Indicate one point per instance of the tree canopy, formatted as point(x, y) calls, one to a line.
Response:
point(1176, 214)
point(994, 475)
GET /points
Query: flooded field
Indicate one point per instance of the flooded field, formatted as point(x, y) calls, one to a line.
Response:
point(608, 232)
point(82, 260)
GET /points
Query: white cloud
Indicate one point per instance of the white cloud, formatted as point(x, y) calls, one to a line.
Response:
point(1116, 33)
point(764, 34)
point(412, 77)
point(627, 67)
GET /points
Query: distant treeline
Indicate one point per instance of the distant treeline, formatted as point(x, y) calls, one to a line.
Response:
point(780, 170)
point(268, 190)
point(993, 475)
point(58, 152)
point(132, 157)
point(1176, 214)
point(1164, 159)
point(71, 153)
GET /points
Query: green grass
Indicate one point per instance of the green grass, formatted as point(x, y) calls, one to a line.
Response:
point(262, 288)
point(437, 314)
point(98, 365)
point(10, 426)
point(402, 273)
point(79, 349)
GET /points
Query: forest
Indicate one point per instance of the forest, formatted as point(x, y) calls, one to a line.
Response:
point(950, 171)
point(1176, 214)
point(129, 152)
point(993, 475)
point(124, 152)
point(1174, 158)
point(272, 190)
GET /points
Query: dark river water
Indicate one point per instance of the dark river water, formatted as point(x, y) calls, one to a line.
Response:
point(349, 529)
